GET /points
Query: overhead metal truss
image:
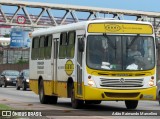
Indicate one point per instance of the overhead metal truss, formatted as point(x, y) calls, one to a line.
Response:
point(48, 15)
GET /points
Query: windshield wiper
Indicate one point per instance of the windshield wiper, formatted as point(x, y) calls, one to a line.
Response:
point(110, 43)
point(133, 41)
point(128, 46)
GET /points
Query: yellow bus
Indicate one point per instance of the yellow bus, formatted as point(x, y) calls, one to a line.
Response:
point(94, 61)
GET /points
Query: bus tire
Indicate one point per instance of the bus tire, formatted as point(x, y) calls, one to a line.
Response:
point(75, 102)
point(42, 97)
point(131, 104)
point(52, 99)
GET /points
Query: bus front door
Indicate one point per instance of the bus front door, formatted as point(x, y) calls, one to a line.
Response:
point(79, 77)
point(55, 51)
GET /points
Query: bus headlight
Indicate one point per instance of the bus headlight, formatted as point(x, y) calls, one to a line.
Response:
point(91, 81)
point(151, 81)
point(8, 79)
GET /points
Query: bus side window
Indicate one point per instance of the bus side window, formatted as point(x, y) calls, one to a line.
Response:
point(63, 44)
point(71, 44)
point(41, 49)
point(35, 48)
point(48, 47)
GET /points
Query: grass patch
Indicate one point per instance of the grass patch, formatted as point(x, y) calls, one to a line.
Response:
point(5, 107)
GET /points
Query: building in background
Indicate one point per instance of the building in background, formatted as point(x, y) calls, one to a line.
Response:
point(5, 30)
point(15, 56)
point(15, 50)
point(4, 41)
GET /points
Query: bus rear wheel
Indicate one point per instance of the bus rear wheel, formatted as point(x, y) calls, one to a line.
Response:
point(75, 102)
point(131, 104)
point(43, 98)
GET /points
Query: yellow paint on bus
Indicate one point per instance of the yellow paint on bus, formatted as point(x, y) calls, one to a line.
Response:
point(120, 28)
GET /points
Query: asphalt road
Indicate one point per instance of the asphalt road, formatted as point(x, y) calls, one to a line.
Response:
point(28, 100)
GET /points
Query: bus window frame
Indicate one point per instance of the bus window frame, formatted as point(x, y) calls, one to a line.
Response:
point(68, 44)
point(33, 43)
point(63, 44)
point(46, 44)
point(41, 58)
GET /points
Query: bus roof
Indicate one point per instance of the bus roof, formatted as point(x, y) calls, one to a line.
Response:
point(80, 26)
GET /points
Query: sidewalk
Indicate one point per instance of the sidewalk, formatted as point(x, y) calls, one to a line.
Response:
point(24, 105)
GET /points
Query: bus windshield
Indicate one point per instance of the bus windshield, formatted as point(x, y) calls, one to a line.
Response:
point(119, 52)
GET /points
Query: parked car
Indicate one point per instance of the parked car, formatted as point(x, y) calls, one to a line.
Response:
point(8, 78)
point(158, 91)
point(23, 80)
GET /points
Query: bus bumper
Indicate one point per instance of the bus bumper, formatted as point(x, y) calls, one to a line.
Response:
point(91, 93)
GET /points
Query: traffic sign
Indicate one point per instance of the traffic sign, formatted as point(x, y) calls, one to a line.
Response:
point(21, 20)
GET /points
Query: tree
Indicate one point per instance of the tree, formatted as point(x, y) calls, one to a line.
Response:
point(6, 35)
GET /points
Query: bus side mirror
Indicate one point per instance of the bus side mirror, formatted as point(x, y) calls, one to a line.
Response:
point(81, 44)
point(157, 43)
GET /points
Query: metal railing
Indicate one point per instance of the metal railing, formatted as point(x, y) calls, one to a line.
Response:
point(35, 14)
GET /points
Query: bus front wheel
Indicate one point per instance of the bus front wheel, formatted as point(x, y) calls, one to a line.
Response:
point(75, 102)
point(131, 104)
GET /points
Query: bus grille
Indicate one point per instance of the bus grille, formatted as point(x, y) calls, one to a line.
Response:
point(121, 95)
point(121, 82)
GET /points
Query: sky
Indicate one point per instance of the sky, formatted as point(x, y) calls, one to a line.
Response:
point(142, 5)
